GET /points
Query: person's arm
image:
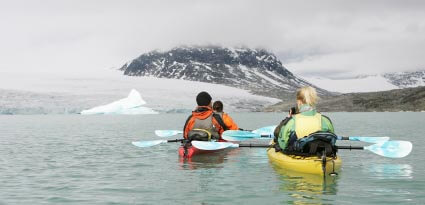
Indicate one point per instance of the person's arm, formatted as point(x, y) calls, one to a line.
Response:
point(284, 133)
point(186, 126)
point(231, 125)
point(327, 124)
point(276, 131)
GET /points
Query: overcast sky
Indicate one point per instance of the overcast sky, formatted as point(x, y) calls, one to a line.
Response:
point(324, 38)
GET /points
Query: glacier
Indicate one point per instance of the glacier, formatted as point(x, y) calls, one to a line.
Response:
point(131, 105)
point(72, 93)
point(371, 83)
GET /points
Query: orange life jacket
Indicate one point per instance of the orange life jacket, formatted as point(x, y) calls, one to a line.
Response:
point(228, 121)
point(202, 118)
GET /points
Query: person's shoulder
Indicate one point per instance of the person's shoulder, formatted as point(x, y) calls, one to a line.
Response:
point(288, 121)
point(291, 120)
point(326, 118)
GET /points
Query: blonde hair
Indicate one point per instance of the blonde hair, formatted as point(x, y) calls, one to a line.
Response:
point(307, 95)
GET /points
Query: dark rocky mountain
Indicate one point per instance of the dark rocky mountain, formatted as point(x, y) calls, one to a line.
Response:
point(406, 79)
point(256, 70)
point(407, 99)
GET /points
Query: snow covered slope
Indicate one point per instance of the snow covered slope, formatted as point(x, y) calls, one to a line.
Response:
point(371, 83)
point(366, 84)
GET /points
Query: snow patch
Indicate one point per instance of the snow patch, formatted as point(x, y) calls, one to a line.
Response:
point(268, 79)
point(260, 58)
point(245, 70)
point(234, 54)
point(367, 84)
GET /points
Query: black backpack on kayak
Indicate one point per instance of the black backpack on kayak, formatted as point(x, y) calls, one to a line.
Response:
point(312, 145)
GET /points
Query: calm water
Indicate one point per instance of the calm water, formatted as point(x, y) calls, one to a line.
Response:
point(90, 160)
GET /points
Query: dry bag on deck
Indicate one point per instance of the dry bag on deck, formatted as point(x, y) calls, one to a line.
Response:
point(313, 145)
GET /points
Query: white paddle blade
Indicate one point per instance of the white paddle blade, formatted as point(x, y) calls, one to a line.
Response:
point(392, 149)
point(148, 143)
point(203, 145)
point(234, 139)
point(167, 133)
point(369, 139)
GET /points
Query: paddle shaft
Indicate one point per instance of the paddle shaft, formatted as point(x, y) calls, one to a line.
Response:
point(267, 146)
point(254, 145)
point(176, 140)
point(349, 147)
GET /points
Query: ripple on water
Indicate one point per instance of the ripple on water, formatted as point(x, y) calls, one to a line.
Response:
point(390, 171)
point(90, 160)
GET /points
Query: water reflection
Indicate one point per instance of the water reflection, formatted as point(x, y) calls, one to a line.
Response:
point(207, 161)
point(306, 188)
point(390, 171)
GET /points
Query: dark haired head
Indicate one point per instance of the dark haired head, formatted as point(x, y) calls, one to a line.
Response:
point(203, 99)
point(218, 106)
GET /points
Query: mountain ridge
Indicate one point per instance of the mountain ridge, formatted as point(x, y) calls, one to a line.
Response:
point(256, 70)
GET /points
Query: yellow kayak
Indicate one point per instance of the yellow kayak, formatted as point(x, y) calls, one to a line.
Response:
point(309, 165)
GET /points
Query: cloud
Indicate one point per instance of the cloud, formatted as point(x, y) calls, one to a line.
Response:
point(320, 38)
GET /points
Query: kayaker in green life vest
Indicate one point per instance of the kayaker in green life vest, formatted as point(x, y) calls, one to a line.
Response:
point(305, 122)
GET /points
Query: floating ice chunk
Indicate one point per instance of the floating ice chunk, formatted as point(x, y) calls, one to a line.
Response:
point(131, 105)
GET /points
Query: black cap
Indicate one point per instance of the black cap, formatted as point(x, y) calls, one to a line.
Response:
point(203, 99)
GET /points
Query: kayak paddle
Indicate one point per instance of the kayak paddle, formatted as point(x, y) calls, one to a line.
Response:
point(240, 135)
point(167, 133)
point(365, 139)
point(391, 149)
point(153, 142)
point(265, 130)
point(204, 145)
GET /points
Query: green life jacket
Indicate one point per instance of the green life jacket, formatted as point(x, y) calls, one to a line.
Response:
point(307, 138)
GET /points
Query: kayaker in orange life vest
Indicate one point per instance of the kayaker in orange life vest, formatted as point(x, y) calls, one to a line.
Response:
point(203, 124)
point(228, 121)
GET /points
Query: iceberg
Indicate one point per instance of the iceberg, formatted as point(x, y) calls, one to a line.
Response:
point(131, 105)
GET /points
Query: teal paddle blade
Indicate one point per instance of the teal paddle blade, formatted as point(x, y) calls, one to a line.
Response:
point(167, 133)
point(240, 134)
point(392, 149)
point(148, 143)
point(203, 145)
point(265, 130)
